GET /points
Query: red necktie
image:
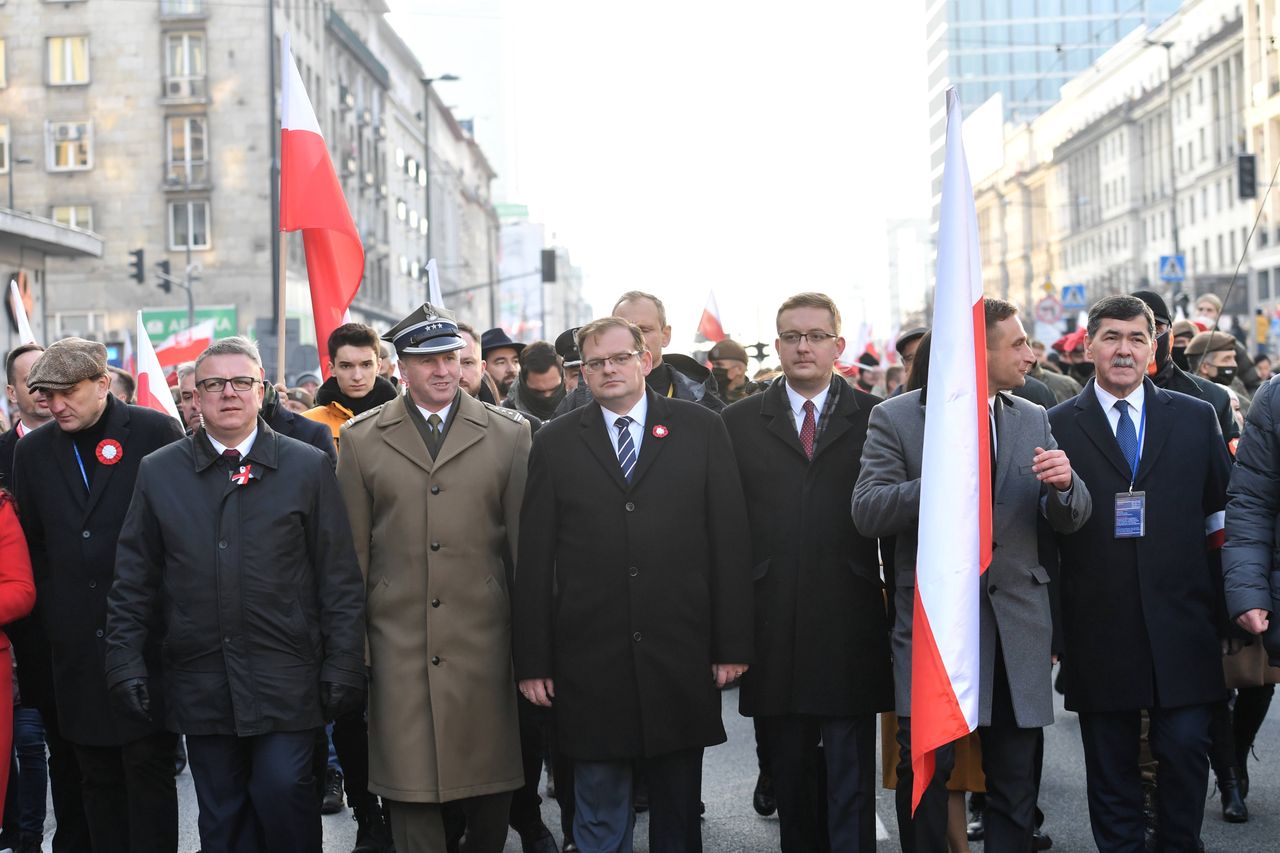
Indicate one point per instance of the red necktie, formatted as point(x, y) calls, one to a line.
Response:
point(808, 429)
point(232, 456)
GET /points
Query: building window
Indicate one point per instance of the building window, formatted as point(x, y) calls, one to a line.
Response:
point(4, 147)
point(402, 210)
point(68, 60)
point(68, 146)
point(89, 324)
point(188, 156)
point(4, 77)
point(179, 8)
point(184, 68)
point(399, 158)
point(188, 225)
point(73, 216)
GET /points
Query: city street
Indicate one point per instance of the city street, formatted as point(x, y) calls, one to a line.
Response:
point(732, 825)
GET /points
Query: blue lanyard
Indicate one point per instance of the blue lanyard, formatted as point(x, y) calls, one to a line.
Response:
point(1142, 430)
point(80, 462)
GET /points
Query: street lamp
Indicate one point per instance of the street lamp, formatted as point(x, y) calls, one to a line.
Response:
point(1173, 168)
point(426, 149)
point(13, 162)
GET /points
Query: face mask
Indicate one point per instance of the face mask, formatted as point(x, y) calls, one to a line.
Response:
point(1082, 372)
point(722, 377)
point(1179, 356)
point(1162, 351)
point(1224, 376)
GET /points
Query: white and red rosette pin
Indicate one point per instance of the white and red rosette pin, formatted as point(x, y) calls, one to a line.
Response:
point(109, 451)
point(660, 431)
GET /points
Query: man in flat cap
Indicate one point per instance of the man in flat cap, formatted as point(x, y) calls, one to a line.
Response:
point(433, 483)
point(729, 363)
point(73, 483)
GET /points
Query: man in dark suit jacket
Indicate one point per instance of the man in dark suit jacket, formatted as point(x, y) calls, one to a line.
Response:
point(73, 482)
point(1032, 477)
point(632, 593)
point(1142, 601)
point(822, 668)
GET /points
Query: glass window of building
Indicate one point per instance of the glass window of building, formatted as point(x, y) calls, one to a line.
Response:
point(68, 60)
point(189, 225)
point(73, 216)
point(68, 146)
point(187, 161)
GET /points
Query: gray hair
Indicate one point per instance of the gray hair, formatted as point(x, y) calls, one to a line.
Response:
point(187, 368)
point(231, 346)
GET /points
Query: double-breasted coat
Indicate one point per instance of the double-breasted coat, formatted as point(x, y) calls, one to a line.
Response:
point(1142, 618)
point(1015, 607)
point(628, 593)
point(72, 533)
point(431, 536)
point(821, 640)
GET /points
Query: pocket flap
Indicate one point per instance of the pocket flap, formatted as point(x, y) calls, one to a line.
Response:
point(1039, 573)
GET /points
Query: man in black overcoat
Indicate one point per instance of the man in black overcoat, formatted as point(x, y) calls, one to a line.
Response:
point(632, 592)
point(1142, 601)
point(73, 482)
point(822, 667)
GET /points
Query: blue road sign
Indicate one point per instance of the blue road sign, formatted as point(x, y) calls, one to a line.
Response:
point(1173, 268)
point(1073, 297)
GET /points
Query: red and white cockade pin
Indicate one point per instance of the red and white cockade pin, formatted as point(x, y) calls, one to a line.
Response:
point(109, 451)
point(660, 431)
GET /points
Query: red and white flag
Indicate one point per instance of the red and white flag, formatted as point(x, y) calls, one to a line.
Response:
point(19, 309)
point(182, 346)
point(709, 328)
point(311, 201)
point(153, 391)
point(955, 482)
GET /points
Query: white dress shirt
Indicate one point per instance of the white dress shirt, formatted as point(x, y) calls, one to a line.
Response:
point(443, 415)
point(637, 414)
point(1136, 401)
point(798, 401)
point(244, 447)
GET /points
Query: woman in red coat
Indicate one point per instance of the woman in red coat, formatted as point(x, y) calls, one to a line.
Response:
point(17, 597)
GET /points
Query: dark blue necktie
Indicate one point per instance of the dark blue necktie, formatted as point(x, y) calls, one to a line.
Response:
point(626, 447)
point(1127, 436)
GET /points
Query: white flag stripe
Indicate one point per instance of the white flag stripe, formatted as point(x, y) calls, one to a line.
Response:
point(296, 112)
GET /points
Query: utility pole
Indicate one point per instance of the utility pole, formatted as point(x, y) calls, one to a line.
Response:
point(1176, 287)
point(426, 156)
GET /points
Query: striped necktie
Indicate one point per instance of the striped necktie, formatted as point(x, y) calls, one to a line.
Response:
point(626, 447)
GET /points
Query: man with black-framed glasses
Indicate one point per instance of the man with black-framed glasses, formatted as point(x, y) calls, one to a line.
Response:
point(236, 553)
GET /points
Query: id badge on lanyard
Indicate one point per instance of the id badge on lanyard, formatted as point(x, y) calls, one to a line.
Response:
point(1131, 506)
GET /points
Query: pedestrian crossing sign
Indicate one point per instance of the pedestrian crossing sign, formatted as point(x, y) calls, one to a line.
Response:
point(1173, 268)
point(1073, 297)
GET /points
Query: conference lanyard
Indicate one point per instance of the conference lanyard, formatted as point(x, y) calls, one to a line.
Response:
point(1137, 460)
point(80, 462)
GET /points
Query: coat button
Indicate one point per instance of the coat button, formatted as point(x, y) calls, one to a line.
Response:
point(435, 602)
point(84, 534)
point(222, 544)
point(633, 571)
point(435, 490)
point(93, 584)
point(631, 507)
point(636, 636)
point(435, 546)
point(435, 661)
point(98, 633)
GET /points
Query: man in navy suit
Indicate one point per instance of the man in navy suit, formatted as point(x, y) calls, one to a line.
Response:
point(1142, 606)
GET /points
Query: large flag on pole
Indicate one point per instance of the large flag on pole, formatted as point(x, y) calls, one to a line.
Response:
point(153, 391)
point(709, 326)
point(311, 201)
point(434, 296)
point(955, 482)
point(182, 345)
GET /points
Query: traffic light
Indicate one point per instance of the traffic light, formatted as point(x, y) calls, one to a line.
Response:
point(138, 266)
point(164, 283)
point(1247, 175)
point(548, 265)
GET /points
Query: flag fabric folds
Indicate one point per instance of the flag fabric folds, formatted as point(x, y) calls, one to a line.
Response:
point(153, 391)
point(709, 327)
point(183, 345)
point(311, 201)
point(955, 484)
point(19, 310)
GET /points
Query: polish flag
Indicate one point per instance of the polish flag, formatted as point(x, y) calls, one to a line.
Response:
point(19, 308)
point(153, 391)
point(955, 482)
point(183, 345)
point(709, 328)
point(434, 296)
point(311, 201)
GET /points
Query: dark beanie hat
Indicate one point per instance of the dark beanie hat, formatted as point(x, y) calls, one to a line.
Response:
point(1156, 303)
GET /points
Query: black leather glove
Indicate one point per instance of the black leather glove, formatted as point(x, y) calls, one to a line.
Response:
point(338, 700)
point(133, 697)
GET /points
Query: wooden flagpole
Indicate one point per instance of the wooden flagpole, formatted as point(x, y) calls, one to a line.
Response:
point(280, 323)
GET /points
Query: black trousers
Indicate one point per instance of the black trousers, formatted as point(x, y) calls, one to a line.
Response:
point(1179, 739)
point(926, 832)
point(1011, 758)
point(256, 793)
point(72, 832)
point(525, 816)
point(845, 763)
point(130, 799)
point(351, 742)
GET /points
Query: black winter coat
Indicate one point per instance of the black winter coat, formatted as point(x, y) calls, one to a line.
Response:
point(821, 635)
point(262, 597)
point(626, 594)
point(72, 537)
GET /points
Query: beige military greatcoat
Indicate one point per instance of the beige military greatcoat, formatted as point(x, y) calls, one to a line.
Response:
point(431, 537)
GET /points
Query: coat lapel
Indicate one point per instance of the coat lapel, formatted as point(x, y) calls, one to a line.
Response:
point(650, 448)
point(117, 428)
point(468, 427)
point(399, 432)
point(64, 452)
point(776, 409)
point(1093, 423)
point(840, 422)
point(1007, 424)
point(597, 441)
point(1159, 425)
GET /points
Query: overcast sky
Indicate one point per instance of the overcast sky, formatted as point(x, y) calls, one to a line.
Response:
point(751, 148)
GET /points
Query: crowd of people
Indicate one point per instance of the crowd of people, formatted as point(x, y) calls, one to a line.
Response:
point(462, 560)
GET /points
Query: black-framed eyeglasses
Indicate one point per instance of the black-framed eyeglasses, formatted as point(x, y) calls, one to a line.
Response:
point(814, 338)
point(622, 359)
point(216, 384)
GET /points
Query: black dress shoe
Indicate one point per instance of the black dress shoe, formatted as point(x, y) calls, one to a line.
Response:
point(569, 847)
point(977, 826)
point(1233, 808)
point(763, 800)
point(1040, 841)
